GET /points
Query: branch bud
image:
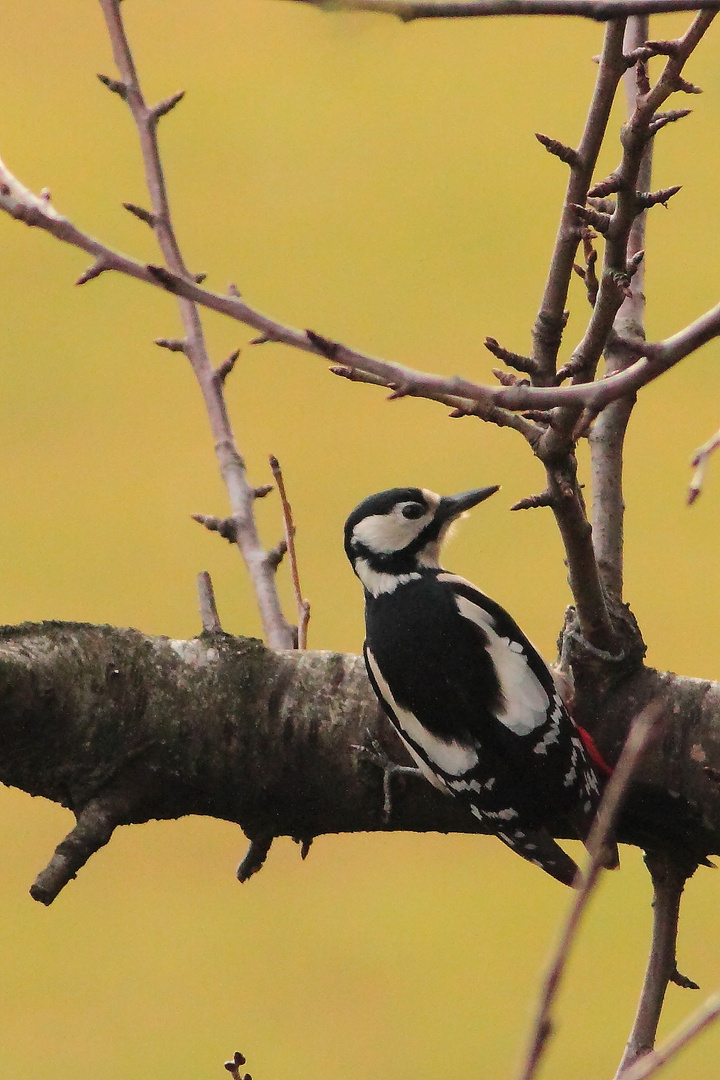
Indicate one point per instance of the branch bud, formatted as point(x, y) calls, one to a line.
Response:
point(117, 87)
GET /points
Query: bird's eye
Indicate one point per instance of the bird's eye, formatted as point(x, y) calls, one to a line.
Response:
point(413, 510)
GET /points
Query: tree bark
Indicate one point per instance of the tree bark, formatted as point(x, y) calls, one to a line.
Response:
point(122, 727)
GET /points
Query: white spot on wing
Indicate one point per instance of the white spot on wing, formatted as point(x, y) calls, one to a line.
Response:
point(453, 758)
point(466, 785)
point(526, 702)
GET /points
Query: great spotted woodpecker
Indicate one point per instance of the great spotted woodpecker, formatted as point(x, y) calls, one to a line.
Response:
point(474, 703)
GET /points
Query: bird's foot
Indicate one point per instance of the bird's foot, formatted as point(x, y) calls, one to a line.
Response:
point(374, 754)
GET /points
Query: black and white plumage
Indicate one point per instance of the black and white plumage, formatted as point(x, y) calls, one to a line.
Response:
point(473, 701)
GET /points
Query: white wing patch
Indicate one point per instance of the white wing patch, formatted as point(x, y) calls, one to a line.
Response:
point(453, 758)
point(526, 702)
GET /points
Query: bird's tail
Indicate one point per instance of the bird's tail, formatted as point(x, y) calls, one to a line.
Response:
point(538, 847)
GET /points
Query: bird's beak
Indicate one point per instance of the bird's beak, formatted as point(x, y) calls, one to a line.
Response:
point(451, 506)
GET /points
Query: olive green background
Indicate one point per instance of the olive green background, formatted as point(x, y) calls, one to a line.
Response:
point(379, 183)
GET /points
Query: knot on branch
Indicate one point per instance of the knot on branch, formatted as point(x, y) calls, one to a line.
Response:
point(598, 672)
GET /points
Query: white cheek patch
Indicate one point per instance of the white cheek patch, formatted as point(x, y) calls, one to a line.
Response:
point(385, 533)
point(526, 702)
point(453, 758)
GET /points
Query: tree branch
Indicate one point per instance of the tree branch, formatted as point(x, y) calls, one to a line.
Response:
point(641, 732)
point(653, 358)
point(607, 435)
point(599, 10)
point(547, 333)
point(123, 728)
point(232, 467)
point(685, 1033)
point(699, 463)
point(668, 880)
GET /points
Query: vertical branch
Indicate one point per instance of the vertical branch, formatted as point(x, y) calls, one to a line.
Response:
point(303, 606)
point(607, 436)
point(277, 630)
point(668, 883)
point(555, 450)
point(550, 322)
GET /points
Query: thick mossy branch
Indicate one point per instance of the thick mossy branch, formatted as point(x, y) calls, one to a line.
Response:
point(122, 728)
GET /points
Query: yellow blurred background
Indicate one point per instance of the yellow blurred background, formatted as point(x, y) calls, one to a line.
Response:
point(381, 184)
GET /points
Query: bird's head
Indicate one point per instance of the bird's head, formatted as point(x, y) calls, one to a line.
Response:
point(400, 531)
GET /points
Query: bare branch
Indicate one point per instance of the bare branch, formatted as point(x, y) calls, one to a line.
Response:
point(303, 606)
point(164, 107)
point(668, 880)
point(685, 1033)
point(558, 149)
point(95, 826)
point(226, 527)
point(599, 10)
point(277, 629)
point(654, 359)
point(549, 323)
point(607, 438)
point(512, 359)
point(642, 730)
point(140, 213)
point(699, 462)
point(532, 502)
point(171, 344)
point(224, 369)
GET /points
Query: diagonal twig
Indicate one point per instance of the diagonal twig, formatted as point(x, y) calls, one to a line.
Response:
point(640, 734)
point(699, 463)
point(678, 1040)
point(654, 359)
point(599, 10)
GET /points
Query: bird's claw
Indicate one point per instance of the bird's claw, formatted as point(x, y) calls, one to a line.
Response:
point(374, 754)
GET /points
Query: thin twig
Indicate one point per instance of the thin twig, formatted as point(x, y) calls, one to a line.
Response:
point(653, 358)
point(277, 630)
point(615, 277)
point(678, 1040)
point(668, 880)
point(699, 463)
point(640, 734)
point(550, 320)
point(303, 606)
point(599, 10)
point(607, 437)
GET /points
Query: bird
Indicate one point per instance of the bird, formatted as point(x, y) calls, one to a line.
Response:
point(471, 698)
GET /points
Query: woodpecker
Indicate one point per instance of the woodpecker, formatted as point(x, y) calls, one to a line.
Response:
point(472, 700)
